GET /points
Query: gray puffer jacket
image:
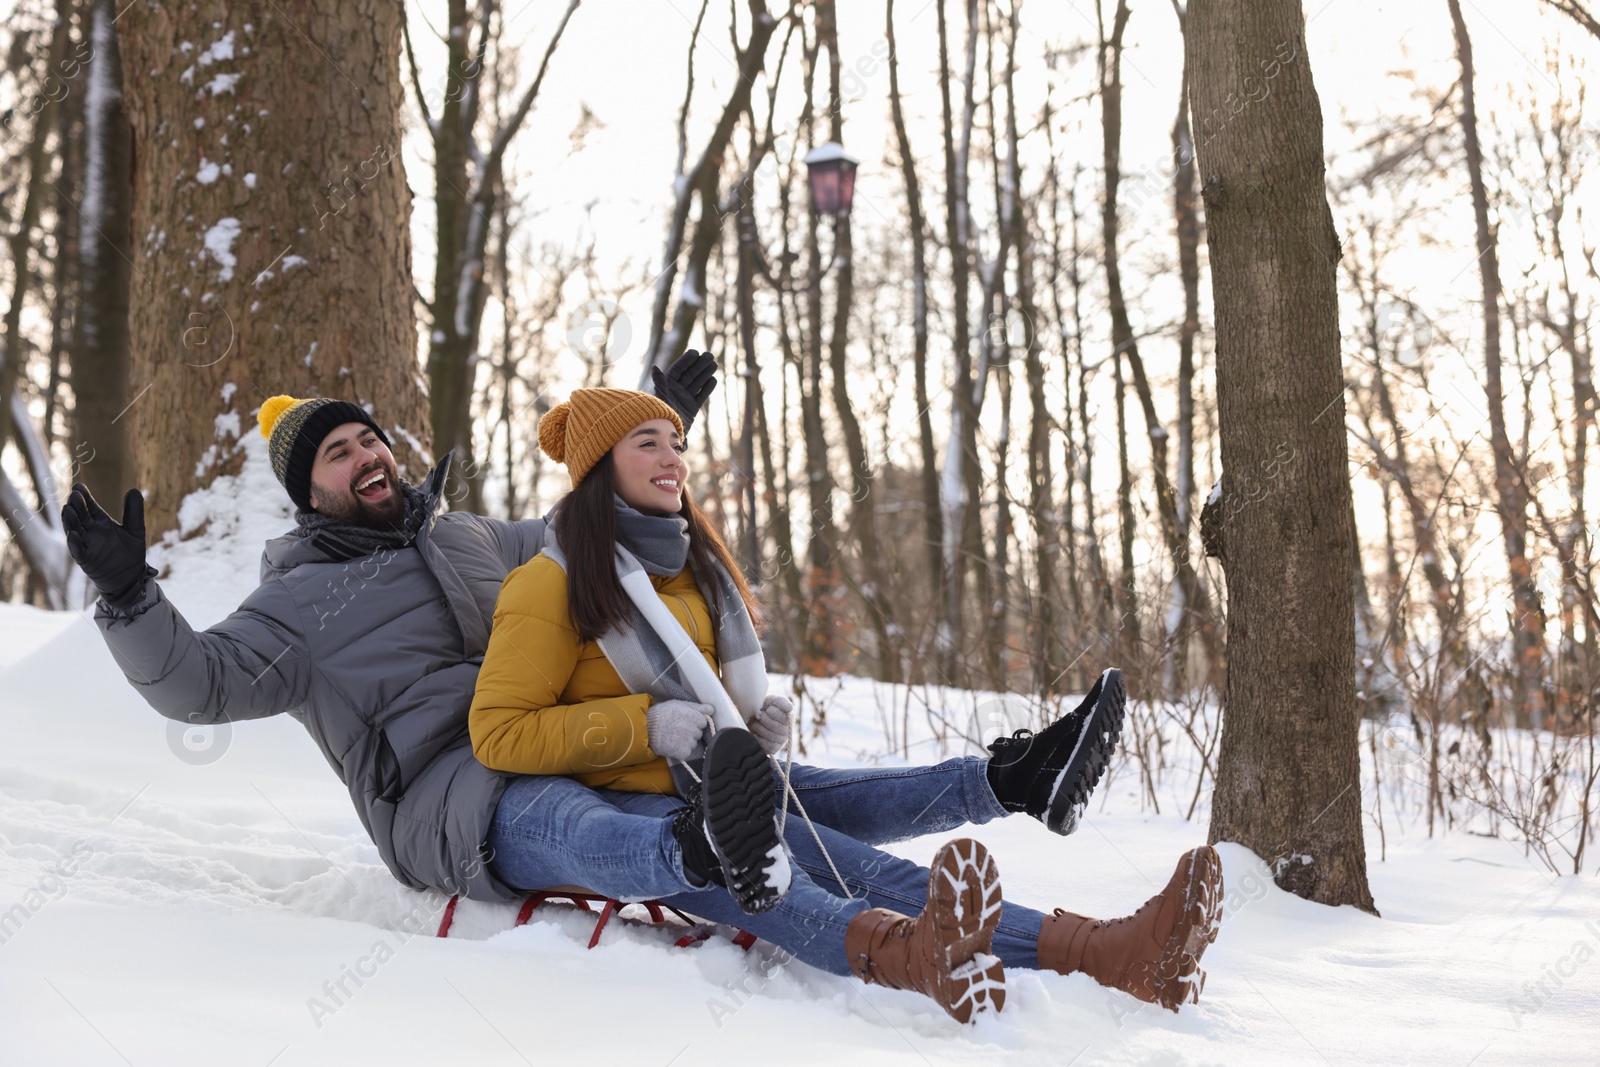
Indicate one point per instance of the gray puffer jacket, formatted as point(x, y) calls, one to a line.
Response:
point(377, 657)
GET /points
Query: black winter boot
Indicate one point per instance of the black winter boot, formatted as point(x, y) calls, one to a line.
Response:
point(1050, 774)
point(741, 820)
point(688, 826)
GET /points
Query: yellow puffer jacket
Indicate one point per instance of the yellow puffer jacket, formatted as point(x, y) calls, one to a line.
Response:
point(549, 703)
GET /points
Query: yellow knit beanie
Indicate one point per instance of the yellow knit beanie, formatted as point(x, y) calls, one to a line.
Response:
point(585, 427)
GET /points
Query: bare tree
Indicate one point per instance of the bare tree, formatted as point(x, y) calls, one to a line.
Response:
point(34, 525)
point(1188, 609)
point(699, 182)
point(960, 480)
point(932, 517)
point(100, 357)
point(871, 583)
point(1287, 782)
point(1511, 495)
point(468, 177)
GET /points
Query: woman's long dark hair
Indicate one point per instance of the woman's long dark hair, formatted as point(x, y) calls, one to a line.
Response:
point(595, 599)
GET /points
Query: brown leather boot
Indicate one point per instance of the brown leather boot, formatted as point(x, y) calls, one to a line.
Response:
point(944, 952)
point(1154, 953)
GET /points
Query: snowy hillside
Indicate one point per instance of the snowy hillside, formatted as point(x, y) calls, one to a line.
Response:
point(174, 897)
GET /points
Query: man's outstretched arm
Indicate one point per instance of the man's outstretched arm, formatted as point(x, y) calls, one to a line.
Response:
point(252, 664)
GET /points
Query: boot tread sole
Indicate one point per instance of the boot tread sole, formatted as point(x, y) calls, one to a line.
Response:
point(1178, 977)
point(1102, 729)
point(740, 811)
point(964, 906)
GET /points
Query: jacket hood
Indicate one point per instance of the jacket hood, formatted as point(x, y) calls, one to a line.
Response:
point(294, 549)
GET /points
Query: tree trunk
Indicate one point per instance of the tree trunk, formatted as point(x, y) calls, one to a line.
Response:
point(449, 367)
point(1128, 637)
point(65, 272)
point(932, 519)
point(271, 230)
point(1288, 784)
point(1122, 335)
point(994, 351)
point(100, 353)
point(1527, 619)
point(822, 573)
point(1103, 616)
point(1191, 607)
point(1046, 649)
point(1071, 353)
point(960, 480)
point(872, 584)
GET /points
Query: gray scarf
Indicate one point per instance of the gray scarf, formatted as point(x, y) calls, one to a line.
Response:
point(654, 654)
point(661, 542)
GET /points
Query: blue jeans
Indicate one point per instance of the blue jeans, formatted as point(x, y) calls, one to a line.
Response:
point(552, 831)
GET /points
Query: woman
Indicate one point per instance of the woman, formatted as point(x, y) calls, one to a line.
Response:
point(585, 682)
point(623, 658)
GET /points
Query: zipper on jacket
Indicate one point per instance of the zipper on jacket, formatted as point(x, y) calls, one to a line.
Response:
point(694, 627)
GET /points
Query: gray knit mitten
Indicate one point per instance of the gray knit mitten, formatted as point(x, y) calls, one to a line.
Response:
point(676, 727)
point(770, 723)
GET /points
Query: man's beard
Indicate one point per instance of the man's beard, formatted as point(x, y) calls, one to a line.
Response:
point(347, 506)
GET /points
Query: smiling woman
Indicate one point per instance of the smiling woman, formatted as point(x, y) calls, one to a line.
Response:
point(624, 451)
point(649, 467)
point(591, 667)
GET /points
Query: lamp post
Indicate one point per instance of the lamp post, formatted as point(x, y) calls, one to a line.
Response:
point(831, 178)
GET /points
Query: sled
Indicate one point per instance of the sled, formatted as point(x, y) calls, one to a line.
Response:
point(577, 896)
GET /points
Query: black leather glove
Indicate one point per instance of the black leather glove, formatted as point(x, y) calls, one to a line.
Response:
point(686, 384)
point(111, 554)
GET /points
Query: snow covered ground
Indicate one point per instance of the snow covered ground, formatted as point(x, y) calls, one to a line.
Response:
point(172, 897)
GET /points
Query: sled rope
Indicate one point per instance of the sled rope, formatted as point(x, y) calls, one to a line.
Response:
point(784, 819)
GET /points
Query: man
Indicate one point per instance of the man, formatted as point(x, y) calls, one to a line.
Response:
point(369, 626)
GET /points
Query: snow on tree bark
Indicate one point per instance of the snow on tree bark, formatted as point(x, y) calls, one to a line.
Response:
point(311, 295)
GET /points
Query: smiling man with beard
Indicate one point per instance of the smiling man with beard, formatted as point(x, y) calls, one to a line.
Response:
point(368, 497)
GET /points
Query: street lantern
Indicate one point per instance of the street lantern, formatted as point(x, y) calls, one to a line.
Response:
point(831, 172)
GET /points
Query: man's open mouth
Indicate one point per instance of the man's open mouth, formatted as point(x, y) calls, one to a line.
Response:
point(373, 486)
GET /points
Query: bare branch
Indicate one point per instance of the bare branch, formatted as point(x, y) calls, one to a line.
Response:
point(688, 90)
point(502, 137)
point(471, 97)
point(416, 79)
point(1577, 12)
